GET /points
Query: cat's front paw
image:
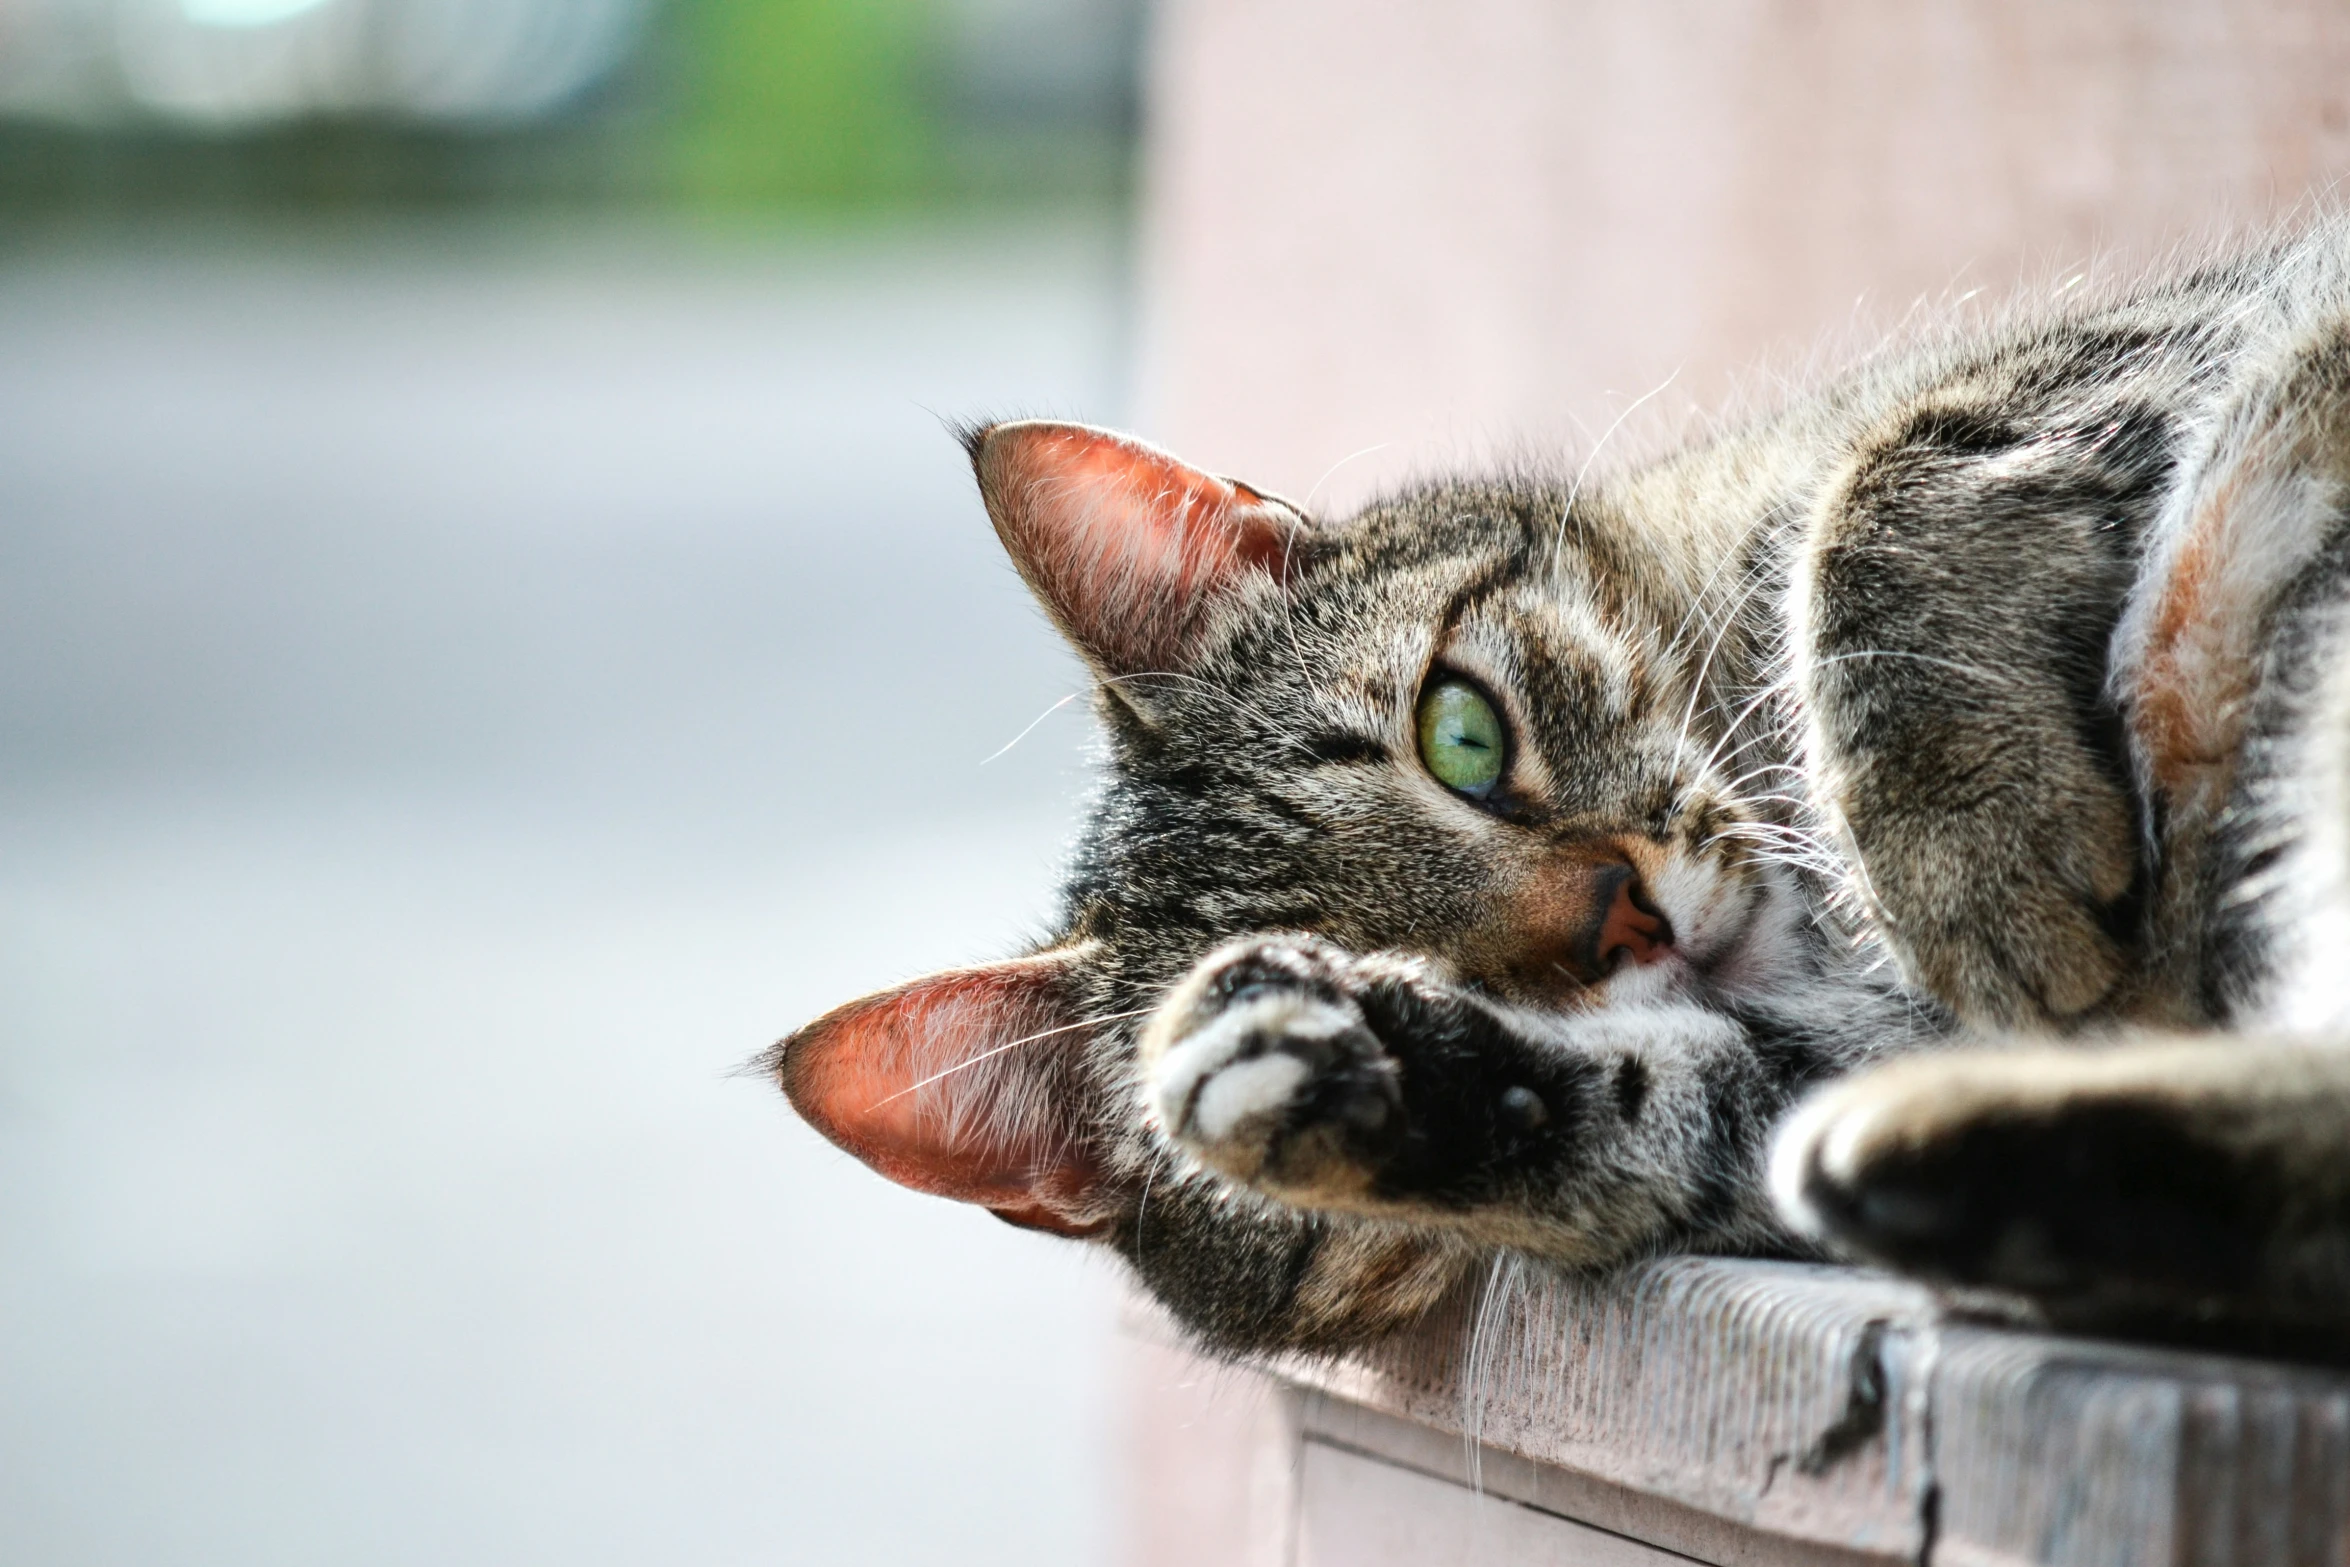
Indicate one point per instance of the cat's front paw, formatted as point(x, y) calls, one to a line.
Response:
point(1262, 1066)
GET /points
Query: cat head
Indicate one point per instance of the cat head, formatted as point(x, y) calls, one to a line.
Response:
point(1479, 722)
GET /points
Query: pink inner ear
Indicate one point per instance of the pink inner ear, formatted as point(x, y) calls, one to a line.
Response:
point(962, 1085)
point(1120, 539)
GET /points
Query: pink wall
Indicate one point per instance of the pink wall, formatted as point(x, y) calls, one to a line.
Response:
point(1443, 226)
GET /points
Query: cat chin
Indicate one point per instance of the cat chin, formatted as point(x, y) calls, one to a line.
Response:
point(1668, 979)
point(1746, 941)
point(1740, 969)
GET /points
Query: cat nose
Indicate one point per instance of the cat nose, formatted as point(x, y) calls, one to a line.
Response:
point(1583, 914)
point(1631, 926)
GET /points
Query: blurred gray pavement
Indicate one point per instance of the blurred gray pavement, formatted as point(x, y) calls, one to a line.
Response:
point(461, 692)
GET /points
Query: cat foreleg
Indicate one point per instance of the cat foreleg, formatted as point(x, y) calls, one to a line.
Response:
point(1370, 1085)
point(1948, 616)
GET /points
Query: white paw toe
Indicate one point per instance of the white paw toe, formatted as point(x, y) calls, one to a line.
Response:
point(1227, 1080)
point(1245, 1094)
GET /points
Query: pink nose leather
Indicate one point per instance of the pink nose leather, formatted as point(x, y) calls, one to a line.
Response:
point(1633, 926)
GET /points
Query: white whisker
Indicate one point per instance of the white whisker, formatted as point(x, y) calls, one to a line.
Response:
point(1575, 490)
point(1334, 467)
point(1031, 729)
point(1013, 1044)
point(1975, 670)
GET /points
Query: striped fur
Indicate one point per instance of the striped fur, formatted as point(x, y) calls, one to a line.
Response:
point(1988, 709)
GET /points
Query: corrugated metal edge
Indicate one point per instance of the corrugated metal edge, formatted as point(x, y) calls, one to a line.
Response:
point(1741, 1391)
point(2075, 1453)
point(1639, 1515)
point(1783, 1398)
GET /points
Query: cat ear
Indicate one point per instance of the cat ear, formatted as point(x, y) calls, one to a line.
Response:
point(1125, 545)
point(965, 1084)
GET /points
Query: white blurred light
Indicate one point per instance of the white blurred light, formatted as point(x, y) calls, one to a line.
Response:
point(228, 63)
point(244, 13)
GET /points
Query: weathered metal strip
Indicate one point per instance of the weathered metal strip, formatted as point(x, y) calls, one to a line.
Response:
point(1784, 1399)
point(2073, 1453)
point(1839, 1410)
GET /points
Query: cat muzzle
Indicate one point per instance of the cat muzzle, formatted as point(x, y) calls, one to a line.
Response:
point(1577, 920)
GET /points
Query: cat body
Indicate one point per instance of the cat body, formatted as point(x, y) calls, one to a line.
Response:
point(1962, 753)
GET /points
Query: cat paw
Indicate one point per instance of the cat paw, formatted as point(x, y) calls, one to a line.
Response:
point(2033, 959)
point(2028, 1171)
point(1262, 1066)
point(2071, 964)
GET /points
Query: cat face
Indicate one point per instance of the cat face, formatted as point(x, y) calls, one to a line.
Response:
point(1453, 727)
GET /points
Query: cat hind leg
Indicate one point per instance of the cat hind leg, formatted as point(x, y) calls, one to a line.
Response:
point(2178, 1178)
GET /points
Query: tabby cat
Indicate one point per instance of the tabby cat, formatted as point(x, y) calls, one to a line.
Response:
point(1958, 759)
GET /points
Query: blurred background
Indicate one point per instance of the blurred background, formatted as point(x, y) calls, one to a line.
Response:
point(492, 633)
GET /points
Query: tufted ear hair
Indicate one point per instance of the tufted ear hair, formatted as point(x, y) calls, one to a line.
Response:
point(1125, 545)
point(965, 1084)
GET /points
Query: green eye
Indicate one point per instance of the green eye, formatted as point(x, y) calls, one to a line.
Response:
point(1461, 738)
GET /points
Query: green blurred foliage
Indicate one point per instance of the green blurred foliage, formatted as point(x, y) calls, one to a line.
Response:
point(806, 102)
point(789, 106)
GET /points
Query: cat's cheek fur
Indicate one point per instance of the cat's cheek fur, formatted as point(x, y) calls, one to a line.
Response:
point(1245, 1274)
point(1370, 1279)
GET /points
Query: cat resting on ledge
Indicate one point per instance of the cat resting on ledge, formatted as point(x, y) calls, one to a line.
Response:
point(1915, 826)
